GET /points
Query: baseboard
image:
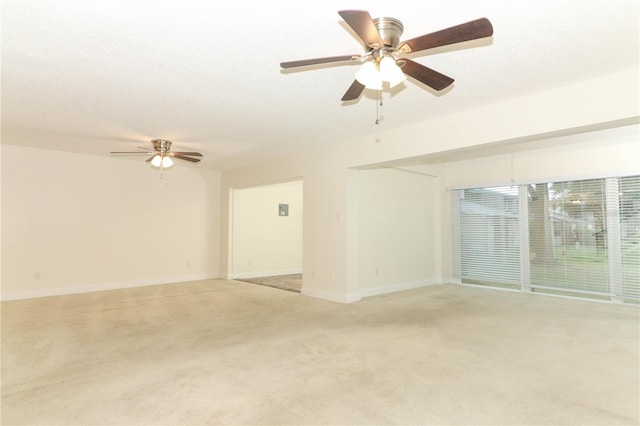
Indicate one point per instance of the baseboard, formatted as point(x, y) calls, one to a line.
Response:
point(318, 294)
point(392, 288)
point(47, 292)
point(273, 273)
point(368, 292)
point(333, 297)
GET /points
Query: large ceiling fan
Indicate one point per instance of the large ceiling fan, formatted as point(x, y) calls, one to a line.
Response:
point(384, 61)
point(161, 154)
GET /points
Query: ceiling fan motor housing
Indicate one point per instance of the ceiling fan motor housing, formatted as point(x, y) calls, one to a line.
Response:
point(390, 30)
point(161, 145)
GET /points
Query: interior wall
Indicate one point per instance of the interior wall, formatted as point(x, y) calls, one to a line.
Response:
point(324, 223)
point(265, 243)
point(397, 231)
point(74, 223)
point(331, 262)
point(599, 153)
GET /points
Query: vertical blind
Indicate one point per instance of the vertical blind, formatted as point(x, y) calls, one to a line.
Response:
point(566, 237)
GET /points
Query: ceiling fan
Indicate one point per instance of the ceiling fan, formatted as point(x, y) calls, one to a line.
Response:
point(161, 154)
point(384, 61)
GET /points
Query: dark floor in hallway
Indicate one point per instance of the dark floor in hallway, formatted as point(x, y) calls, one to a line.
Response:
point(284, 282)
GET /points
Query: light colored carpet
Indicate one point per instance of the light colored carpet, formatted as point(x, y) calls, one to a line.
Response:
point(226, 352)
point(291, 282)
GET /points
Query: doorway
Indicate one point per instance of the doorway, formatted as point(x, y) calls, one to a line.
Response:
point(266, 235)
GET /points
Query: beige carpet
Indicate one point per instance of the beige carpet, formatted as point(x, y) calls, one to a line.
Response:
point(226, 352)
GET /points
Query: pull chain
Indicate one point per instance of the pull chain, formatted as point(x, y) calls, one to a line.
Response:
point(512, 174)
point(378, 105)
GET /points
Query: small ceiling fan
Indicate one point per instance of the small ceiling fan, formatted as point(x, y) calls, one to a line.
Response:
point(384, 61)
point(161, 154)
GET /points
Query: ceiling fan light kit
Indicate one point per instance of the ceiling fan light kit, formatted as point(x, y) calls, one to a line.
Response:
point(374, 73)
point(383, 61)
point(159, 161)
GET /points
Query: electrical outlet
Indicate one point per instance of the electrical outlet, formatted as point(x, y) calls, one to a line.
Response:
point(36, 275)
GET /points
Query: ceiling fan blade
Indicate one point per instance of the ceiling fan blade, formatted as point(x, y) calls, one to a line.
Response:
point(425, 75)
point(317, 61)
point(354, 91)
point(464, 32)
point(193, 154)
point(150, 158)
point(360, 21)
point(128, 152)
point(182, 157)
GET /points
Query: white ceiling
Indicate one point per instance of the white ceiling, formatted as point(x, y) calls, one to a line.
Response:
point(92, 76)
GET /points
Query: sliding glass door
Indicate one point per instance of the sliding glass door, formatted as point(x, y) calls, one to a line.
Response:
point(629, 235)
point(575, 237)
point(489, 224)
point(567, 236)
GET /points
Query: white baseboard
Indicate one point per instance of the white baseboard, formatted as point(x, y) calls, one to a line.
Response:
point(47, 292)
point(319, 294)
point(368, 292)
point(241, 275)
point(333, 297)
point(392, 288)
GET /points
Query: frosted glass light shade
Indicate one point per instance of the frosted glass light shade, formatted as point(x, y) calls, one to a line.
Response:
point(369, 76)
point(166, 162)
point(160, 161)
point(372, 76)
point(156, 161)
point(391, 72)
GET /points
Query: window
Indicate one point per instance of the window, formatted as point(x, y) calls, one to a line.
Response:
point(488, 220)
point(575, 237)
point(629, 199)
point(567, 236)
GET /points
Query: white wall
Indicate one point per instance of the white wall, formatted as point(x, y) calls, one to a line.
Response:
point(74, 223)
point(331, 261)
point(264, 243)
point(608, 152)
point(398, 237)
point(324, 223)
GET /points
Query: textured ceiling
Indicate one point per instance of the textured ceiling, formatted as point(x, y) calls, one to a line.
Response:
point(95, 76)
